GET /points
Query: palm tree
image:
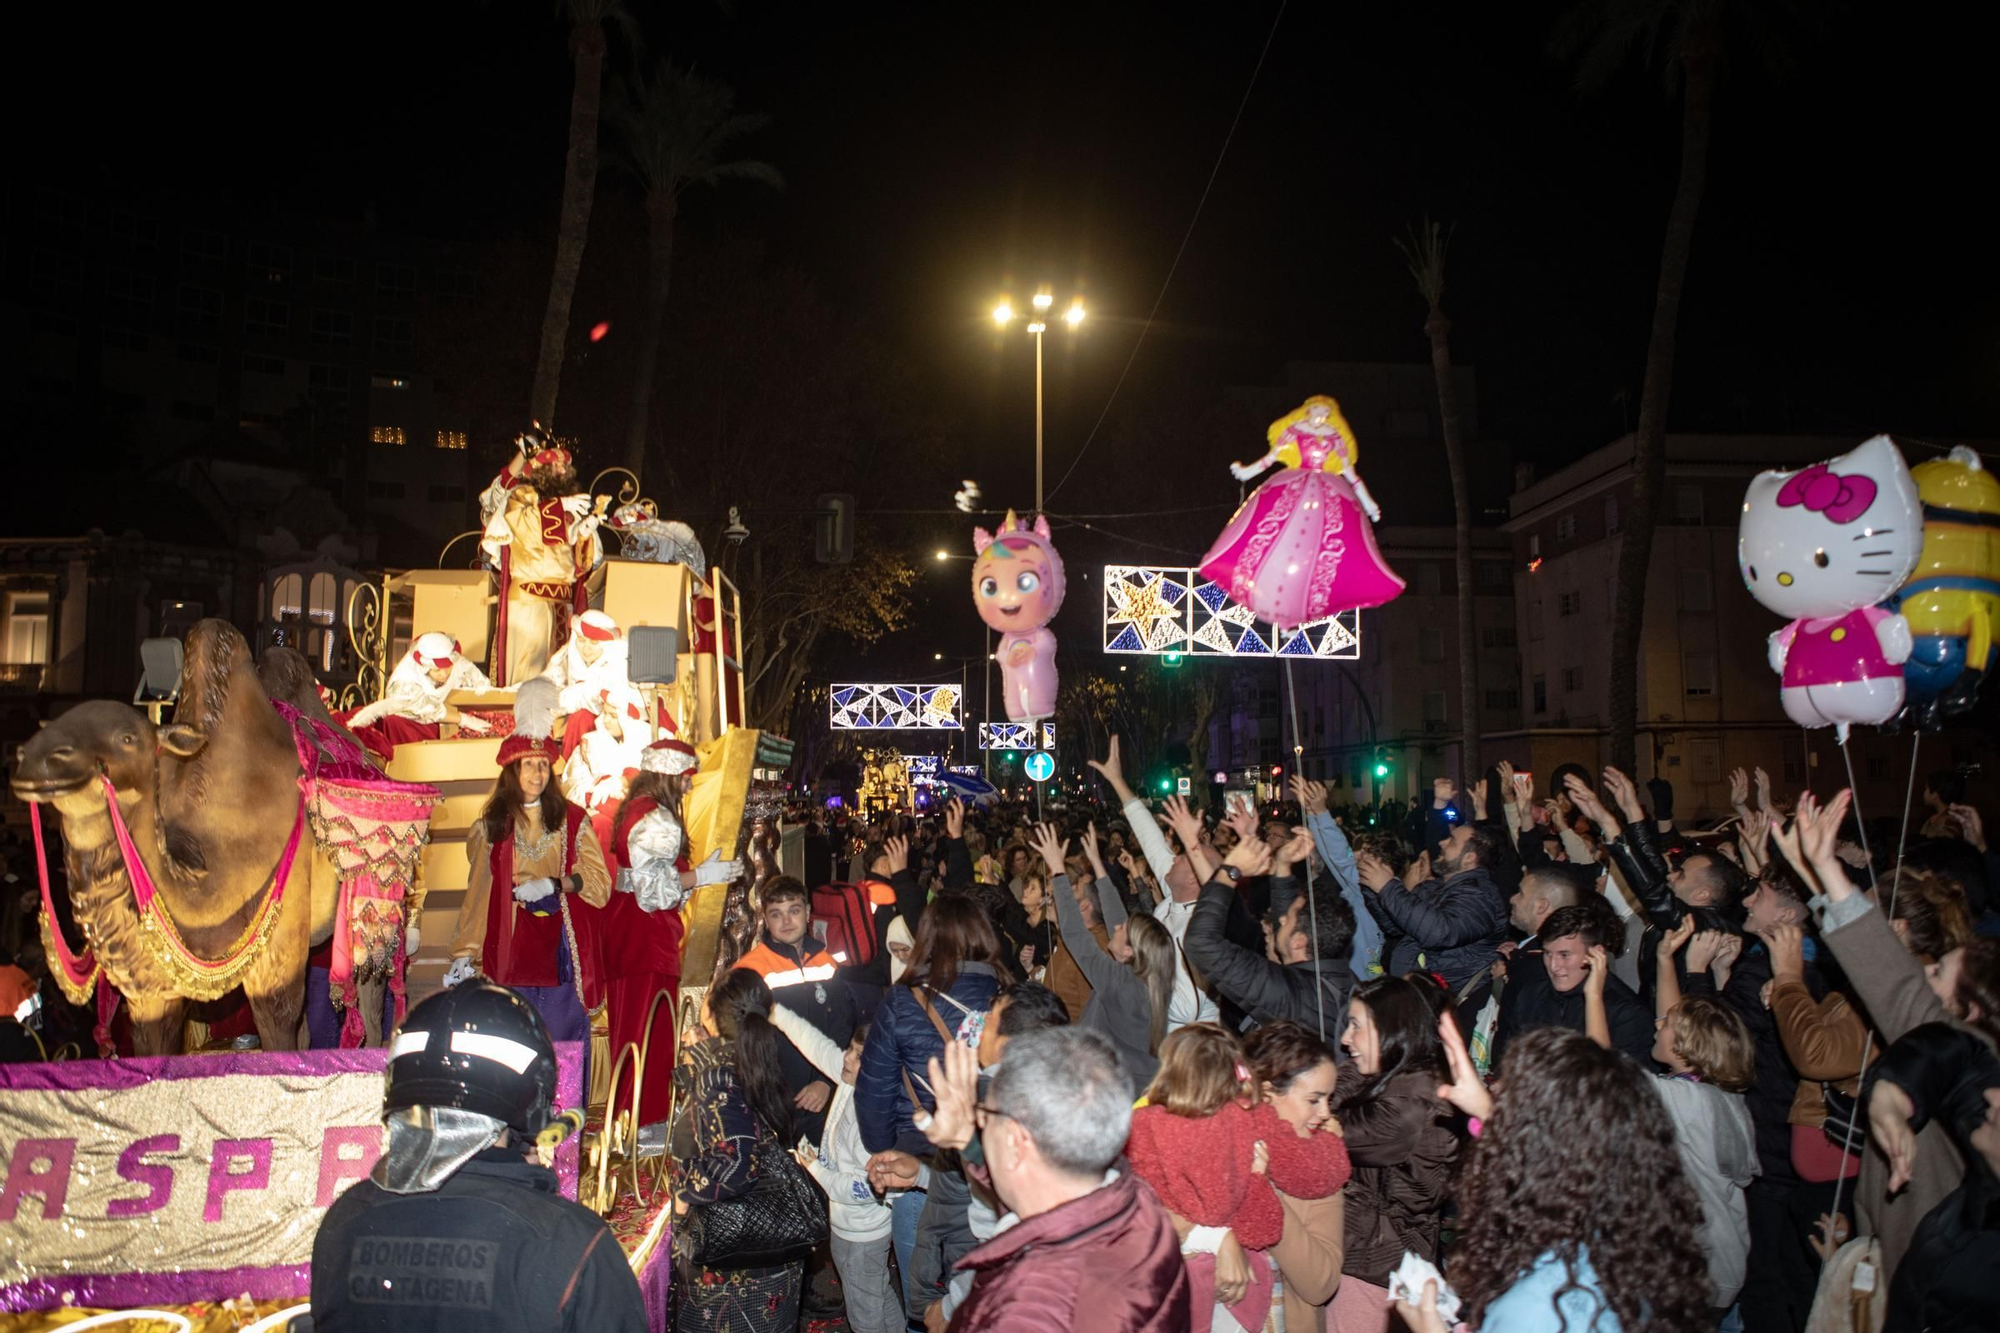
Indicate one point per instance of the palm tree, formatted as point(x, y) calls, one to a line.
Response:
point(1686, 37)
point(674, 129)
point(587, 22)
point(1425, 250)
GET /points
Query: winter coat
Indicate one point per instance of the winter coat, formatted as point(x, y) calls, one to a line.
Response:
point(1456, 924)
point(1530, 1000)
point(804, 978)
point(1107, 1262)
point(1824, 1039)
point(903, 1040)
point(1891, 986)
point(1950, 1275)
point(1402, 1146)
point(1309, 1256)
point(1199, 1166)
point(1718, 1150)
point(1266, 991)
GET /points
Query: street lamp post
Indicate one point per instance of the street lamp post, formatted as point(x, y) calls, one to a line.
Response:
point(1003, 315)
point(986, 643)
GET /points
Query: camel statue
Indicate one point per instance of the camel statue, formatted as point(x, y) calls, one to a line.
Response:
point(210, 802)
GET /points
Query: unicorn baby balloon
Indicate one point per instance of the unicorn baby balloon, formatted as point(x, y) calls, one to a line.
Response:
point(1017, 584)
point(1823, 546)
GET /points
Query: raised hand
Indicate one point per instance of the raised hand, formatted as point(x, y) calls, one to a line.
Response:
point(1295, 849)
point(955, 1085)
point(897, 849)
point(1970, 826)
point(1092, 853)
point(1739, 790)
point(954, 818)
point(1625, 795)
point(1763, 791)
point(1049, 841)
point(1600, 968)
point(1788, 952)
point(1112, 769)
point(1707, 944)
point(1466, 1090)
point(1673, 941)
point(1819, 831)
point(1584, 799)
point(1310, 795)
point(1479, 800)
point(1184, 822)
point(1373, 871)
point(1507, 779)
point(1244, 820)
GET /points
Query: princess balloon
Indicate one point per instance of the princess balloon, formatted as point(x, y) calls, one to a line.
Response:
point(1017, 584)
point(1301, 548)
point(1823, 546)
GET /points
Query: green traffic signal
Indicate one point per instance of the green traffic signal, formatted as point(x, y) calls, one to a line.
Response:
point(1170, 659)
point(1381, 770)
point(1166, 784)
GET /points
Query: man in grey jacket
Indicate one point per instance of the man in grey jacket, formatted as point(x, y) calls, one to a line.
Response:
point(1311, 986)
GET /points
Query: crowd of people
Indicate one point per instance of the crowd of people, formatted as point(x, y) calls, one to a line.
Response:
point(1519, 1060)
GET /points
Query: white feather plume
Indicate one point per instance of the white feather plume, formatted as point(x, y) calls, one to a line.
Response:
point(535, 708)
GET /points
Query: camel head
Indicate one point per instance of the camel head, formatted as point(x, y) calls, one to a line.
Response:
point(63, 762)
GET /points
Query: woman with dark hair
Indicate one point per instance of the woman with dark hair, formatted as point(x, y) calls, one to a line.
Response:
point(944, 995)
point(730, 1111)
point(530, 852)
point(1295, 1074)
point(1577, 1214)
point(1399, 1137)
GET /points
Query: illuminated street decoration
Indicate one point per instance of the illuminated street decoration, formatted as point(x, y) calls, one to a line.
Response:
point(1016, 736)
point(1155, 610)
point(895, 708)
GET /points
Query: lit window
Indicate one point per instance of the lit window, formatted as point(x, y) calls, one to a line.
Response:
point(320, 596)
point(388, 382)
point(451, 439)
point(386, 434)
point(287, 596)
point(27, 628)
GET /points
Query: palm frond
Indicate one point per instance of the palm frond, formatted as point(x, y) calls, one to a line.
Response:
point(1426, 251)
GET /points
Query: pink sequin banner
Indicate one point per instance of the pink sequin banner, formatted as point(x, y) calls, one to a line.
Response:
point(188, 1178)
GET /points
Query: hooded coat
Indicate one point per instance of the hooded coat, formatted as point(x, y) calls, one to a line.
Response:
point(1718, 1148)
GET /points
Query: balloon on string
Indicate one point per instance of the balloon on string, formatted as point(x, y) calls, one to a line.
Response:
point(1952, 600)
point(1823, 546)
point(1302, 546)
point(1017, 588)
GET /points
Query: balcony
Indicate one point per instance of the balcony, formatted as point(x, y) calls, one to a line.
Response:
point(22, 677)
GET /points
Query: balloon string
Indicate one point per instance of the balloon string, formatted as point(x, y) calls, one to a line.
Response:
point(1903, 837)
point(1847, 1149)
point(1312, 905)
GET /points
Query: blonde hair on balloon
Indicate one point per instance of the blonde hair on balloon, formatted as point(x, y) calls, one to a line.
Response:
point(1288, 453)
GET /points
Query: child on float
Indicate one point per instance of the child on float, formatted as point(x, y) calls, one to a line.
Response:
point(640, 930)
point(412, 707)
point(530, 850)
point(1217, 1156)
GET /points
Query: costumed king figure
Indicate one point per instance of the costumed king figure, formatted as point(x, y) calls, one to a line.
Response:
point(640, 931)
point(1302, 547)
point(1822, 546)
point(543, 540)
point(413, 707)
point(458, 1229)
point(531, 851)
point(1017, 584)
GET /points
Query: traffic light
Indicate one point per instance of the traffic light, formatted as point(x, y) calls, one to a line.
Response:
point(833, 529)
point(1166, 784)
point(1170, 659)
point(1381, 769)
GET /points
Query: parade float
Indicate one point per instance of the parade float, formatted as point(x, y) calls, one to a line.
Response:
point(252, 844)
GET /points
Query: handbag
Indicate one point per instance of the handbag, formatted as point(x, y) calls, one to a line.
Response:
point(782, 1218)
point(1846, 1124)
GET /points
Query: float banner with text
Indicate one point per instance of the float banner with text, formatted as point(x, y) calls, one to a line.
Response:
point(188, 1178)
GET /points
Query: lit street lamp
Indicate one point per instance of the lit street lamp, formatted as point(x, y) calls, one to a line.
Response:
point(1003, 315)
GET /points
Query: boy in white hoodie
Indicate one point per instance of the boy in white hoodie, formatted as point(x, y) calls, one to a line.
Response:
point(859, 1217)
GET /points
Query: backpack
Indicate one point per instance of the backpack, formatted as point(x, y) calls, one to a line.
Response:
point(843, 921)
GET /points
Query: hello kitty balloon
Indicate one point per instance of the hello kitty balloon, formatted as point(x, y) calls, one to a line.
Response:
point(1823, 546)
point(1017, 585)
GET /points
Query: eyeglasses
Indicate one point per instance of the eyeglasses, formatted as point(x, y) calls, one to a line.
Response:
point(981, 1113)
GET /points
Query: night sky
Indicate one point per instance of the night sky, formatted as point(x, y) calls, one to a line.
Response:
point(1841, 280)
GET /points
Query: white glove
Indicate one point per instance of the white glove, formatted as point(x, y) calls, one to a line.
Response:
point(413, 936)
point(1244, 471)
point(715, 870)
point(533, 891)
point(471, 722)
point(1374, 511)
point(460, 971)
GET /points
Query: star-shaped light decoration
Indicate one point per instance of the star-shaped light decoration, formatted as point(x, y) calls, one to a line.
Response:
point(1145, 607)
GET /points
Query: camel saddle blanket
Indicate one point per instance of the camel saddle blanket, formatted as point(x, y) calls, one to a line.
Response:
point(374, 830)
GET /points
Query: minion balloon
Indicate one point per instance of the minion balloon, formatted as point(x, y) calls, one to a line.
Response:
point(1952, 601)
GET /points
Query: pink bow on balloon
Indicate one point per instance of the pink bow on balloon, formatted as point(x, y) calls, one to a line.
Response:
point(1841, 499)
